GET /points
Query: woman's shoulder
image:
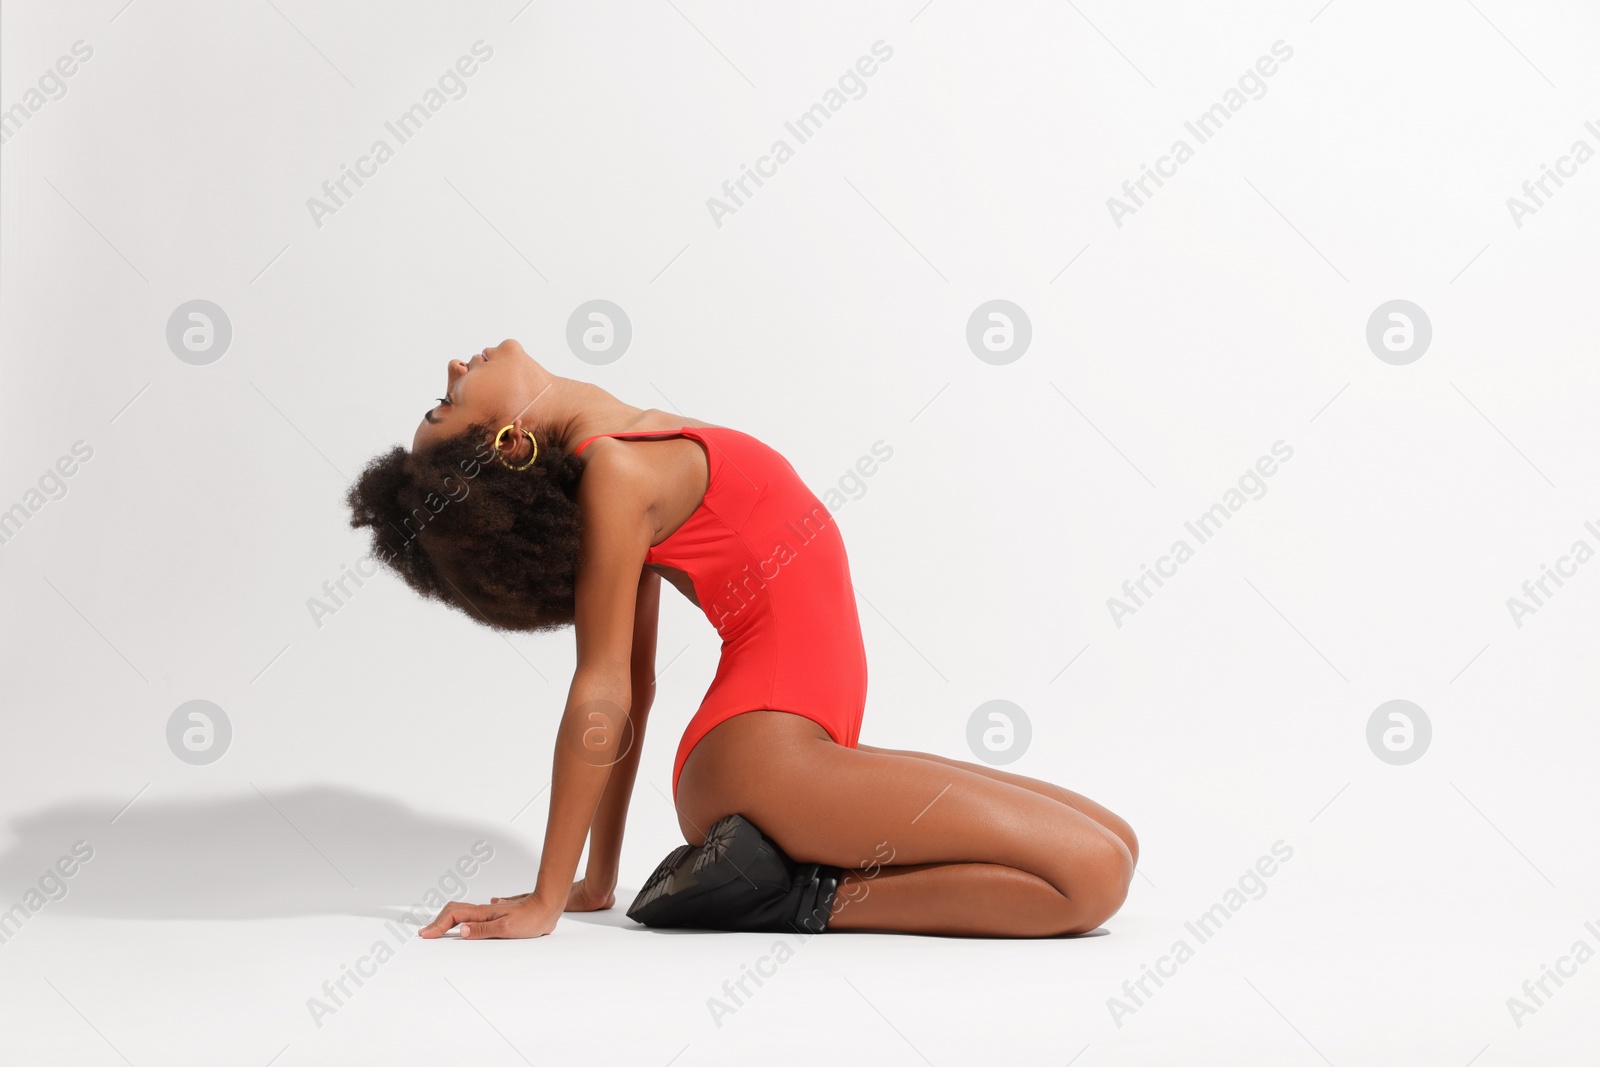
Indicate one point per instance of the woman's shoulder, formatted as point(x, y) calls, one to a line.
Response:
point(653, 420)
point(668, 420)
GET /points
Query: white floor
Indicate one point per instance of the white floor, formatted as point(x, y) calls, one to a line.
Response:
point(204, 932)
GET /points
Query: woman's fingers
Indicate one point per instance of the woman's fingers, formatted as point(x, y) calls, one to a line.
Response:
point(500, 927)
point(483, 921)
point(458, 912)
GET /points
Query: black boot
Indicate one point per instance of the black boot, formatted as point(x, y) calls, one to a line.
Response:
point(737, 880)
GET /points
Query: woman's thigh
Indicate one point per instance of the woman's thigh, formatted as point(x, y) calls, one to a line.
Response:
point(1098, 812)
point(824, 803)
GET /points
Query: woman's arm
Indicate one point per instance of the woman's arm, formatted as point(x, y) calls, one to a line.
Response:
point(605, 834)
point(616, 495)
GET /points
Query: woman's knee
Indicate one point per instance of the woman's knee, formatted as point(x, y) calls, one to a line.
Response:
point(1101, 879)
point(1119, 826)
point(1115, 826)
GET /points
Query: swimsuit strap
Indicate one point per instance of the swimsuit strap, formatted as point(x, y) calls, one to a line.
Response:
point(635, 433)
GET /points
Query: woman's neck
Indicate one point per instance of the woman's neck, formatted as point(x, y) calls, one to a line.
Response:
point(571, 410)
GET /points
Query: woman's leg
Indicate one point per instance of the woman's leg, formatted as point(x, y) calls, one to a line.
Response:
point(961, 852)
point(1102, 815)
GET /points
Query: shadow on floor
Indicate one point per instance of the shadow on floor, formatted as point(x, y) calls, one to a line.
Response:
point(325, 850)
point(320, 850)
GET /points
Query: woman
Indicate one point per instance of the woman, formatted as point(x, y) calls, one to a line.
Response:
point(530, 501)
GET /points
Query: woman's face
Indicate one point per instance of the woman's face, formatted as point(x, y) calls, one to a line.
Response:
point(497, 386)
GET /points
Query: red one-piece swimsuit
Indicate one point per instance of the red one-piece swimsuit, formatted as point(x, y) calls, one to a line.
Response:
point(770, 572)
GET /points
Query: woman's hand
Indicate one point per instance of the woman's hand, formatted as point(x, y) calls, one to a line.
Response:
point(524, 916)
point(585, 895)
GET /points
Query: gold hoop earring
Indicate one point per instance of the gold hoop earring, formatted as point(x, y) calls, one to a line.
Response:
point(501, 436)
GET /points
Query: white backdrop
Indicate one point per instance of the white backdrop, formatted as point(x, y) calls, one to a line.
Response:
point(1176, 336)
